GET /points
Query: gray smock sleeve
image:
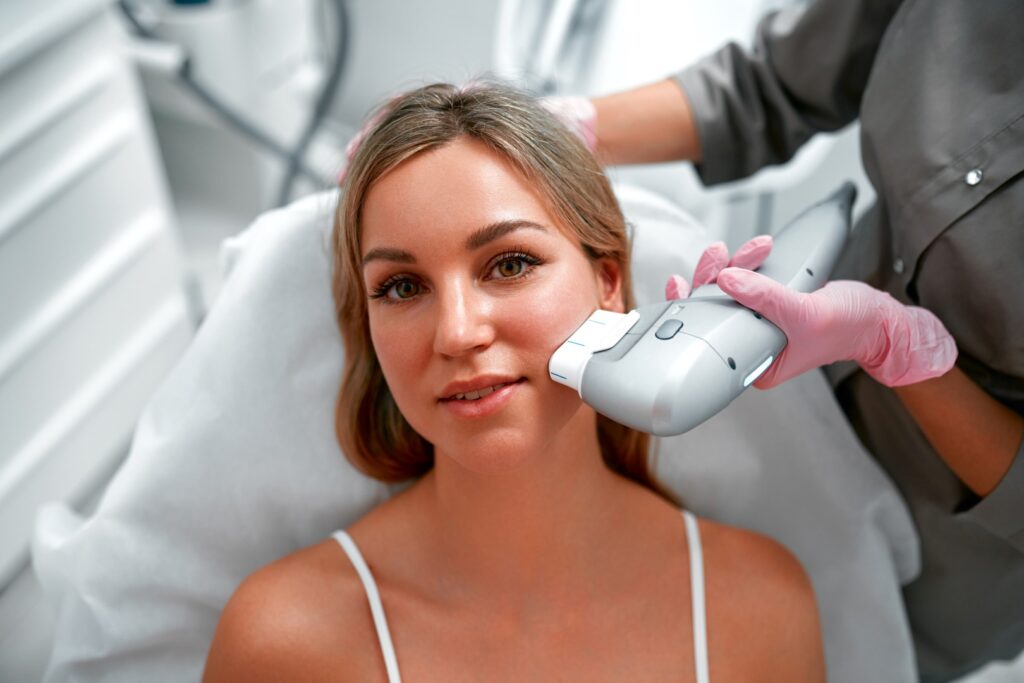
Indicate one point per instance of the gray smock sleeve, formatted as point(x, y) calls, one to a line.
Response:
point(807, 73)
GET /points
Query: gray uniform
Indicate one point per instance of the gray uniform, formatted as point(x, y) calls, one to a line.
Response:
point(938, 86)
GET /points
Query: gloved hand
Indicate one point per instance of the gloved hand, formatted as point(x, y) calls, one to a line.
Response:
point(578, 114)
point(844, 320)
point(716, 257)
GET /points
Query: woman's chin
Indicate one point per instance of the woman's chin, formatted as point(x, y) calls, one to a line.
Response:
point(491, 454)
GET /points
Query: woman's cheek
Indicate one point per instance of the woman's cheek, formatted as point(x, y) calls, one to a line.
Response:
point(395, 353)
point(556, 314)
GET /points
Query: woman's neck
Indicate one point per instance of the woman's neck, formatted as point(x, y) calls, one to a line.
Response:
point(541, 532)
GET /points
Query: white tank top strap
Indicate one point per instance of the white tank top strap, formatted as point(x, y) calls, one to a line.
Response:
point(380, 622)
point(700, 634)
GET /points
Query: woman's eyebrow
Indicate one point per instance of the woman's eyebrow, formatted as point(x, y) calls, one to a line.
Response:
point(479, 238)
point(388, 254)
point(493, 231)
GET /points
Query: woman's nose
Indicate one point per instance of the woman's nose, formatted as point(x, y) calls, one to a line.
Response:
point(464, 321)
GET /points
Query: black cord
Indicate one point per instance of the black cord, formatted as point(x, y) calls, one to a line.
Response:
point(237, 121)
point(323, 102)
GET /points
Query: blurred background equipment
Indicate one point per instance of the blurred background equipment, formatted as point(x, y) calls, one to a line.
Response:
point(238, 91)
point(93, 287)
point(253, 100)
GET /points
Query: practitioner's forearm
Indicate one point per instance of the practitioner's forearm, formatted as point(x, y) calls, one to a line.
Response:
point(649, 124)
point(976, 435)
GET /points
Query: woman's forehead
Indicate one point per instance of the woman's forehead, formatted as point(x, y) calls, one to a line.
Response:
point(448, 193)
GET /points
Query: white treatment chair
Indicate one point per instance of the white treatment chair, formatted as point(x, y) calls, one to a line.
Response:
point(234, 464)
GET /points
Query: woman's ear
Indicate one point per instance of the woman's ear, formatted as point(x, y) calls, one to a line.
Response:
point(609, 283)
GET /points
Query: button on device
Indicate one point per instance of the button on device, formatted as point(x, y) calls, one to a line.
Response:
point(669, 328)
point(974, 176)
point(898, 266)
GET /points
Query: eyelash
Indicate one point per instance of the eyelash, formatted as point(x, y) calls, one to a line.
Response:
point(517, 253)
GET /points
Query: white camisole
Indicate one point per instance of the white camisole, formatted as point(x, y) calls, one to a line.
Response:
point(700, 641)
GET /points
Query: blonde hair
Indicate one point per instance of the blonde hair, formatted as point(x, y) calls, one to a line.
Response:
point(371, 430)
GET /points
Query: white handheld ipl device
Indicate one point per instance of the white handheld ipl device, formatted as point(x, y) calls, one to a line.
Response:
point(667, 367)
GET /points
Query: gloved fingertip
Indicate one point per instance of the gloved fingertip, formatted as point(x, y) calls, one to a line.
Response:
point(749, 289)
point(714, 252)
point(711, 262)
point(760, 252)
point(733, 279)
point(676, 288)
point(588, 133)
point(753, 253)
point(578, 114)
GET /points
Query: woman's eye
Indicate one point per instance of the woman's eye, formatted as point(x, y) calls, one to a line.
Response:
point(514, 265)
point(405, 289)
point(396, 290)
point(511, 267)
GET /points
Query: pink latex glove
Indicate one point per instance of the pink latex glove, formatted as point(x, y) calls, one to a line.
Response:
point(716, 257)
point(578, 114)
point(844, 320)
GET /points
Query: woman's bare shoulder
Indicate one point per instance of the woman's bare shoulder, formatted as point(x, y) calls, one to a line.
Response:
point(759, 594)
point(302, 617)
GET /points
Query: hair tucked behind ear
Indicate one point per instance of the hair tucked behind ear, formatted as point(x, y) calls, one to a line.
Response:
point(372, 432)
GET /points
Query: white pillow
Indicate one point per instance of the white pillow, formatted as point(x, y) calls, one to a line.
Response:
point(234, 464)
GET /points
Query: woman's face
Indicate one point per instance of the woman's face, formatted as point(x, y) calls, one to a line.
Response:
point(472, 287)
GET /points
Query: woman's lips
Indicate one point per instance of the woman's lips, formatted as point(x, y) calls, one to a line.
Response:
point(485, 405)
